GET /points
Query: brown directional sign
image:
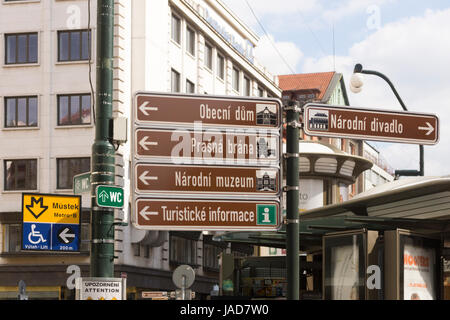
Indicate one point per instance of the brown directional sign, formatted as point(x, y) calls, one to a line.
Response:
point(155, 178)
point(173, 109)
point(215, 161)
point(366, 124)
point(223, 215)
point(212, 145)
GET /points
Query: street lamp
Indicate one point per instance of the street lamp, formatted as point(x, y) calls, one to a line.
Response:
point(356, 84)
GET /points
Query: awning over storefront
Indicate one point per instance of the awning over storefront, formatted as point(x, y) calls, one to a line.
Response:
point(419, 204)
point(320, 160)
point(409, 198)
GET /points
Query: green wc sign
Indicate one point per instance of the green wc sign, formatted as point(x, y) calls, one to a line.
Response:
point(109, 196)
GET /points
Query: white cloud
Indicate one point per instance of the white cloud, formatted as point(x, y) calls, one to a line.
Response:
point(274, 15)
point(268, 56)
point(351, 7)
point(267, 7)
point(413, 53)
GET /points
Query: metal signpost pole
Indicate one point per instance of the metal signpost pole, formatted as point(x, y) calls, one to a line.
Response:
point(103, 153)
point(292, 201)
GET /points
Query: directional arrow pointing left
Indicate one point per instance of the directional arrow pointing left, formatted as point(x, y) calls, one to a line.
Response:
point(144, 178)
point(144, 143)
point(143, 107)
point(144, 213)
point(65, 234)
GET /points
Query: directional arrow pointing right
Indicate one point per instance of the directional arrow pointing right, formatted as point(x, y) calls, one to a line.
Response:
point(144, 213)
point(428, 128)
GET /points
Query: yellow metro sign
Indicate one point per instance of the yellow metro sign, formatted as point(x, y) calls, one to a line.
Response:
point(51, 222)
point(44, 208)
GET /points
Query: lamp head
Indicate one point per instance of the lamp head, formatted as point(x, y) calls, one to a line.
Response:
point(358, 68)
point(356, 81)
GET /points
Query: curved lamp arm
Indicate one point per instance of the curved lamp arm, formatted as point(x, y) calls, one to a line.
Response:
point(359, 69)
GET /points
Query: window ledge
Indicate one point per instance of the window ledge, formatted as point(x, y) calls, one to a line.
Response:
point(20, 128)
point(193, 57)
point(176, 43)
point(73, 62)
point(20, 65)
point(63, 190)
point(19, 2)
point(19, 191)
point(76, 126)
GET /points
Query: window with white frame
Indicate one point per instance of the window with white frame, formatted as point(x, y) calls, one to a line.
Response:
point(235, 79)
point(21, 48)
point(190, 86)
point(175, 81)
point(74, 45)
point(190, 40)
point(176, 29)
point(21, 111)
point(247, 86)
point(12, 234)
point(208, 56)
point(70, 167)
point(20, 174)
point(220, 66)
point(74, 109)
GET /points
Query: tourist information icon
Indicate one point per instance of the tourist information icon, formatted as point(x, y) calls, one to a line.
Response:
point(205, 162)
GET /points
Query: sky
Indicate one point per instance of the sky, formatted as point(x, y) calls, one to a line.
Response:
point(407, 40)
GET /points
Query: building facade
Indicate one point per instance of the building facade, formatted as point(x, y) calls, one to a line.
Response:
point(380, 173)
point(325, 88)
point(47, 102)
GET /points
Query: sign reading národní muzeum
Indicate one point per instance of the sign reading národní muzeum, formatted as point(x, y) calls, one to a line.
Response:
point(206, 162)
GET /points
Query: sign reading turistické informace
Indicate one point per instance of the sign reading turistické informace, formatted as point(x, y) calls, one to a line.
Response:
point(173, 214)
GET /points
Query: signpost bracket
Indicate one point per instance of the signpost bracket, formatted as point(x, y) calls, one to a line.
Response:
point(291, 155)
point(291, 221)
point(120, 224)
point(293, 107)
point(295, 124)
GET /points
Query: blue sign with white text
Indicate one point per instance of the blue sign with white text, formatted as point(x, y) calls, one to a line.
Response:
point(50, 236)
point(36, 236)
point(65, 237)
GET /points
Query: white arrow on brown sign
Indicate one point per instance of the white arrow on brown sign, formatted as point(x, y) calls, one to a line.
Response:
point(144, 108)
point(145, 178)
point(145, 213)
point(144, 143)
